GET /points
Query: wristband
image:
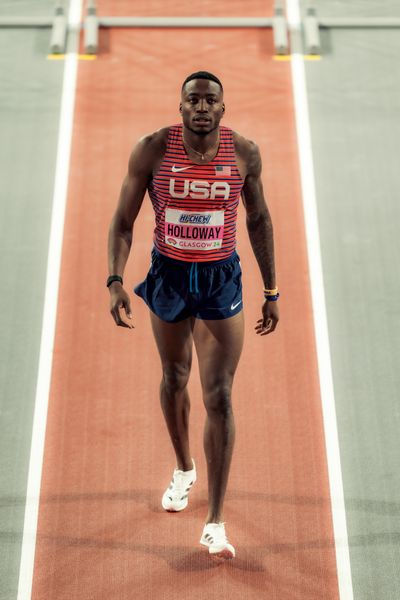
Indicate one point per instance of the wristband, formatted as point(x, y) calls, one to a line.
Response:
point(272, 292)
point(113, 278)
point(272, 298)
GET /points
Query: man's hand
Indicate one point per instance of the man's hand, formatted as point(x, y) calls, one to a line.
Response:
point(120, 299)
point(270, 318)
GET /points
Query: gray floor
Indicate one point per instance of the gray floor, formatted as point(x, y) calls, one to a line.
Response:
point(29, 111)
point(27, 8)
point(354, 96)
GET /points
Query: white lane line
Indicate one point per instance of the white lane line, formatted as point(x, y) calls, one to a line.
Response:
point(49, 312)
point(319, 311)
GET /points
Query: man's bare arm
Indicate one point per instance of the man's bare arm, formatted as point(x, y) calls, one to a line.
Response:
point(258, 219)
point(121, 229)
point(259, 227)
point(130, 201)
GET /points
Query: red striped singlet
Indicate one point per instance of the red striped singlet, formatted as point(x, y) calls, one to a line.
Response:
point(196, 205)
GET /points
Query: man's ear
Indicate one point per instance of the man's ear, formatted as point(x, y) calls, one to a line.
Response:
point(223, 109)
point(180, 107)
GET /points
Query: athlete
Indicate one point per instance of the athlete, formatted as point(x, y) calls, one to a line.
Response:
point(195, 173)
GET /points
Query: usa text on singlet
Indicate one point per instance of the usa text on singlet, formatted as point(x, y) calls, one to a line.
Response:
point(196, 205)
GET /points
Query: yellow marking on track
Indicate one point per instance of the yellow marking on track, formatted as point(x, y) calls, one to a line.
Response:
point(283, 57)
point(312, 57)
point(80, 56)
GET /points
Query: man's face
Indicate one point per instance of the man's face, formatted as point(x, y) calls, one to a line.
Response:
point(201, 106)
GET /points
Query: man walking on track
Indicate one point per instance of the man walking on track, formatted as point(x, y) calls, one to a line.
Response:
point(195, 173)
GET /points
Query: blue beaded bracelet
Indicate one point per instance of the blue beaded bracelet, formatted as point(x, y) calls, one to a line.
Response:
point(272, 298)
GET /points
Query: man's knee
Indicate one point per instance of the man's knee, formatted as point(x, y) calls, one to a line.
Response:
point(175, 377)
point(217, 398)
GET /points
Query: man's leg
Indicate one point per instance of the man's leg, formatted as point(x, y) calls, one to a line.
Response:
point(174, 342)
point(218, 346)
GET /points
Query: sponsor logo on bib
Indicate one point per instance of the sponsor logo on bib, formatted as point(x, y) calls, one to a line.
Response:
point(194, 230)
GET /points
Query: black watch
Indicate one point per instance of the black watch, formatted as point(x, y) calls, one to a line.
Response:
point(113, 278)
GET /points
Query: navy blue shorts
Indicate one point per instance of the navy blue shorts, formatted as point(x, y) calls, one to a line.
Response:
point(175, 290)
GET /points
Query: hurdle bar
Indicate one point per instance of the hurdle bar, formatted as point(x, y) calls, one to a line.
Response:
point(277, 23)
point(26, 22)
point(189, 22)
point(362, 23)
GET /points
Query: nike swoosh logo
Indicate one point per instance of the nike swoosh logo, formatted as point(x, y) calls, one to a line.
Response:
point(175, 169)
point(233, 306)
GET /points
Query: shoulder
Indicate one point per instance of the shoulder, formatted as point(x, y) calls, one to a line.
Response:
point(248, 153)
point(152, 143)
point(148, 150)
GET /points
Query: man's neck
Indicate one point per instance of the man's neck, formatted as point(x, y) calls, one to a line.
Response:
point(199, 142)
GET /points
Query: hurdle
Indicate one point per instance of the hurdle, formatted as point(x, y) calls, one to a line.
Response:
point(278, 24)
point(93, 22)
point(311, 25)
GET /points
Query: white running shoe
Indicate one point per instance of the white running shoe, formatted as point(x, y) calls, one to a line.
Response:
point(175, 497)
point(214, 537)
